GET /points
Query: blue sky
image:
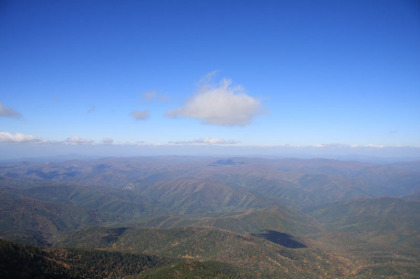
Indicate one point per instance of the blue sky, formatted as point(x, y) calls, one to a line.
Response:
point(189, 76)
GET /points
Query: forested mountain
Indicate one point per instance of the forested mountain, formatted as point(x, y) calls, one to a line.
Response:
point(226, 217)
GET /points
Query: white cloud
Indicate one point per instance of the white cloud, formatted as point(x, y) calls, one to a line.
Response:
point(19, 138)
point(222, 104)
point(8, 112)
point(75, 140)
point(207, 141)
point(140, 114)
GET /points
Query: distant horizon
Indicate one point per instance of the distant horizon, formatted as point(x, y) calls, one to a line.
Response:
point(342, 153)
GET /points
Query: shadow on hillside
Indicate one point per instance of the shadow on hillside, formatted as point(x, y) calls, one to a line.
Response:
point(282, 239)
point(112, 234)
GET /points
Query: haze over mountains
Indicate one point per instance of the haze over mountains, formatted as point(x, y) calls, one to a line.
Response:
point(273, 217)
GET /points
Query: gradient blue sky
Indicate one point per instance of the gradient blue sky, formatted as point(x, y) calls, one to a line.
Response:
point(318, 74)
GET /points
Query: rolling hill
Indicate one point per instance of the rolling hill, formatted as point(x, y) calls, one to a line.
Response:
point(384, 221)
point(250, 254)
point(24, 261)
point(233, 217)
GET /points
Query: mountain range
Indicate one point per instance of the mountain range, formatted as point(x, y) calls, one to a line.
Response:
point(213, 217)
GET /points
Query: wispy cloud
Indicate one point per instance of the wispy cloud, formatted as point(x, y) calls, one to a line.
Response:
point(221, 104)
point(330, 145)
point(150, 95)
point(153, 95)
point(75, 140)
point(207, 141)
point(341, 145)
point(8, 112)
point(375, 145)
point(91, 109)
point(7, 137)
point(140, 114)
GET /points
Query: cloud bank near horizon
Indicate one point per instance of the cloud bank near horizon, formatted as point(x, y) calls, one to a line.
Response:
point(78, 140)
point(6, 137)
point(206, 141)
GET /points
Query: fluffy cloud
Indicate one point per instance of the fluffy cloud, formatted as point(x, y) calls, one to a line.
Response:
point(18, 138)
point(8, 112)
point(140, 114)
point(207, 141)
point(75, 140)
point(222, 104)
